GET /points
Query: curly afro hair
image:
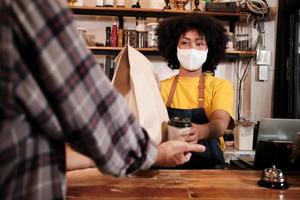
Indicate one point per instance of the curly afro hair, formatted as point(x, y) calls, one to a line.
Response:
point(170, 29)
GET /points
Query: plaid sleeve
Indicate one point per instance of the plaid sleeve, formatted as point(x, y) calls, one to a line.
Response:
point(95, 118)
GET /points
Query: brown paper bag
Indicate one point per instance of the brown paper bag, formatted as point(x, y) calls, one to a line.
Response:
point(135, 80)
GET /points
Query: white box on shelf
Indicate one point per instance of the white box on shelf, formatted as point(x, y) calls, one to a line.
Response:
point(243, 137)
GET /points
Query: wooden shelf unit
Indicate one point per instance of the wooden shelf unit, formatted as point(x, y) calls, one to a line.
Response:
point(148, 12)
point(231, 17)
point(154, 51)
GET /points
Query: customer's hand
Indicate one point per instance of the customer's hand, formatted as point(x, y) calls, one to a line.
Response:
point(76, 160)
point(175, 152)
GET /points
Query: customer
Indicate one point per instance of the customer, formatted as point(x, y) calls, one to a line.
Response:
point(195, 44)
point(52, 92)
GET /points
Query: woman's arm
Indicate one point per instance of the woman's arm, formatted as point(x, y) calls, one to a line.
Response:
point(214, 128)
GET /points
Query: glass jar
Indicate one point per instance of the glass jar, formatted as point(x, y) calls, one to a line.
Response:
point(231, 41)
point(242, 41)
point(120, 3)
point(108, 3)
point(140, 24)
point(142, 39)
point(130, 37)
point(152, 37)
point(82, 34)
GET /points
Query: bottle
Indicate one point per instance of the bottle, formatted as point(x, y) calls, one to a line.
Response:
point(108, 3)
point(231, 41)
point(108, 36)
point(120, 37)
point(120, 3)
point(136, 4)
point(114, 34)
point(120, 33)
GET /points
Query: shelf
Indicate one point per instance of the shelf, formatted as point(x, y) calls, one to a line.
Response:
point(153, 51)
point(148, 12)
point(116, 50)
point(232, 17)
point(241, 53)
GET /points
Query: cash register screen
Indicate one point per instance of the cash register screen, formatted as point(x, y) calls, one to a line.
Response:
point(274, 143)
point(276, 129)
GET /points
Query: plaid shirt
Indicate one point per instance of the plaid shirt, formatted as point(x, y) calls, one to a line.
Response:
point(52, 92)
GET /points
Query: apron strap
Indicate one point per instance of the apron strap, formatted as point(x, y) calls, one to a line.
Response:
point(172, 91)
point(201, 91)
point(201, 87)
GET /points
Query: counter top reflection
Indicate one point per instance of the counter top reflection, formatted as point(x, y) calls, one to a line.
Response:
point(177, 184)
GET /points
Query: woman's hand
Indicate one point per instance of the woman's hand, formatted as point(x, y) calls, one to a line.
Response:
point(194, 134)
point(175, 152)
point(213, 129)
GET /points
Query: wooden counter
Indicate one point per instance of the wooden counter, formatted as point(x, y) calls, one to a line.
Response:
point(89, 184)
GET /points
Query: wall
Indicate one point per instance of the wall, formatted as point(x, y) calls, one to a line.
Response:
point(256, 96)
point(261, 93)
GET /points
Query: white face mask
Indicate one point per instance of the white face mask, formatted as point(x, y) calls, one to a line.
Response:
point(191, 59)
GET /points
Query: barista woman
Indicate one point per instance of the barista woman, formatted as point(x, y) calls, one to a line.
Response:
point(195, 44)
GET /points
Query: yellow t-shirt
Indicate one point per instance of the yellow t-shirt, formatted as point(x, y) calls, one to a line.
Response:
point(218, 94)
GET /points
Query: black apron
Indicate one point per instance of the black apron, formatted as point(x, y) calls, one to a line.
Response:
point(212, 158)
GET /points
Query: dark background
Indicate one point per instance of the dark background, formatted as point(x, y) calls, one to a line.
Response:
point(287, 61)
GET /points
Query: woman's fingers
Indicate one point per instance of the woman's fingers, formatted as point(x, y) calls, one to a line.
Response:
point(191, 138)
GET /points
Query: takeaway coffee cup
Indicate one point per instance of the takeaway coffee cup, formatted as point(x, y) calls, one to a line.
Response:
point(178, 126)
